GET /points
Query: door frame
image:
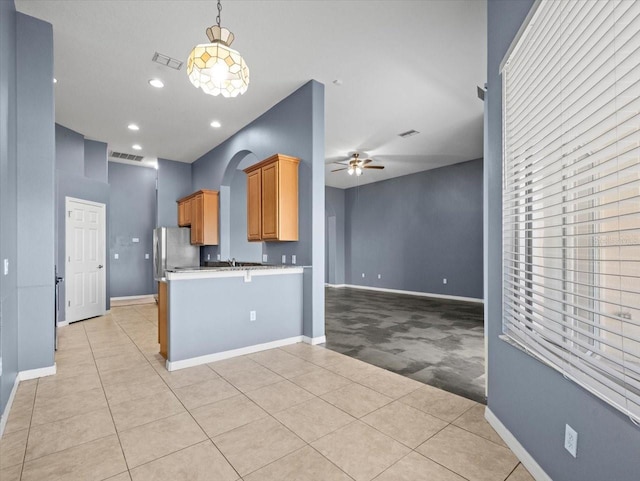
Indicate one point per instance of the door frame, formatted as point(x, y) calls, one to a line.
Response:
point(103, 272)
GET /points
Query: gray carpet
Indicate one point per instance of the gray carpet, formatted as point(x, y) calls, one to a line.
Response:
point(435, 341)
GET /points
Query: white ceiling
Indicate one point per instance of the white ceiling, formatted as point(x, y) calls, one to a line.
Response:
point(403, 65)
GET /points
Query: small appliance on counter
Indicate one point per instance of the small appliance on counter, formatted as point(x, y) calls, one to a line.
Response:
point(172, 248)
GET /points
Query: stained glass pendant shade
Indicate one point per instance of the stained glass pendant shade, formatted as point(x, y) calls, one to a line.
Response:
point(215, 67)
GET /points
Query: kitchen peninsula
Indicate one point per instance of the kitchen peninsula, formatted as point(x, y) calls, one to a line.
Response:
point(213, 313)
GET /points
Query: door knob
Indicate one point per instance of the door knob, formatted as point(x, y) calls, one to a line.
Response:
point(100, 266)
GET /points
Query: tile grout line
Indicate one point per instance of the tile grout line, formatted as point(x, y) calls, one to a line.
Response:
point(104, 393)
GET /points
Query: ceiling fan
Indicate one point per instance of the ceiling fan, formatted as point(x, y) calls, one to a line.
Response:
point(356, 165)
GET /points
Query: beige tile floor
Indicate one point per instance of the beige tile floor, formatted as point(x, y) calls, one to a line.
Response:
point(298, 413)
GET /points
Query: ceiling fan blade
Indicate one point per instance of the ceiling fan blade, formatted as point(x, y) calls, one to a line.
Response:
point(338, 170)
point(373, 167)
point(366, 161)
point(341, 162)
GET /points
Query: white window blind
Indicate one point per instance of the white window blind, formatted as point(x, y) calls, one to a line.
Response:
point(571, 199)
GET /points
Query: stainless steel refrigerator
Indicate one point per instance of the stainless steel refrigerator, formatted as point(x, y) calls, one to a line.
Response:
point(172, 248)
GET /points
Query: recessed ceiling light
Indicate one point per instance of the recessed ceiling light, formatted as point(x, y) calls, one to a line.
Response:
point(133, 127)
point(156, 82)
point(215, 124)
point(136, 147)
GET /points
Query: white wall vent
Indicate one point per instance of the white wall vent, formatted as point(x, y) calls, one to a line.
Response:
point(167, 61)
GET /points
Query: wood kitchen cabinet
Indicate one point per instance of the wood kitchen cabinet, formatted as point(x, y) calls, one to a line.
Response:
point(272, 199)
point(184, 212)
point(200, 211)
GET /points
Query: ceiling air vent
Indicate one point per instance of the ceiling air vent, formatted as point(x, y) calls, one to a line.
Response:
point(166, 61)
point(408, 133)
point(122, 155)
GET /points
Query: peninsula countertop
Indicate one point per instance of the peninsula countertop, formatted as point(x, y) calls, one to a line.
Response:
point(184, 273)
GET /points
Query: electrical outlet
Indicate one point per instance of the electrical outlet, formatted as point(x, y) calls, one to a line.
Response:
point(116, 256)
point(284, 258)
point(570, 440)
point(265, 257)
point(6, 267)
point(135, 240)
point(208, 257)
point(363, 275)
point(146, 256)
point(252, 315)
point(379, 276)
point(444, 281)
point(293, 258)
point(218, 257)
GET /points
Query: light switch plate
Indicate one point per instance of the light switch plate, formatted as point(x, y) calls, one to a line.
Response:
point(6, 267)
point(284, 258)
point(293, 258)
point(135, 239)
point(116, 256)
point(146, 256)
point(265, 257)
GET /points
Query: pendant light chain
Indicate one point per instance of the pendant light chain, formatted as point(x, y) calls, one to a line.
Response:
point(219, 12)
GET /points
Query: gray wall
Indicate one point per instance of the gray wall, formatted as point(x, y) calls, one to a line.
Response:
point(70, 160)
point(533, 401)
point(416, 230)
point(334, 235)
point(174, 182)
point(8, 202)
point(240, 248)
point(26, 192)
point(295, 126)
point(212, 315)
point(35, 182)
point(95, 160)
point(132, 215)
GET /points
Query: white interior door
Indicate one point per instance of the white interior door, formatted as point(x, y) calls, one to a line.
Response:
point(85, 259)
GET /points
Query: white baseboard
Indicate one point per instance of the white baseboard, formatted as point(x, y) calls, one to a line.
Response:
point(36, 373)
point(219, 356)
point(23, 376)
point(63, 323)
point(7, 408)
point(525, 458)
point(410, 293)
point(134, 298)
point(314, 340)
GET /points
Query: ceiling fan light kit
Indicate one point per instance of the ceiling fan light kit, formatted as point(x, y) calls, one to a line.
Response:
point(357, 165)
point(215, 67)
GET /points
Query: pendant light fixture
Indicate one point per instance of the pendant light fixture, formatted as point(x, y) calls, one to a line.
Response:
point(215, 67)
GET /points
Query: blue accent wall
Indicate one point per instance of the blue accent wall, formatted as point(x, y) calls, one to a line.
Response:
point(8, 202)
point(95, 160)
point(532, 400)
point(132, 215)
point(174, 182)
point(335, 236)
point(72, 156)
point(416, 230)
point(35, 182)
point(26, 193)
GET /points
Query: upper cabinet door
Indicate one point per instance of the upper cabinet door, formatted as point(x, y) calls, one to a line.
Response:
point(254, 206)
point(270, 212)
point(200, 210)
point(272, 199)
